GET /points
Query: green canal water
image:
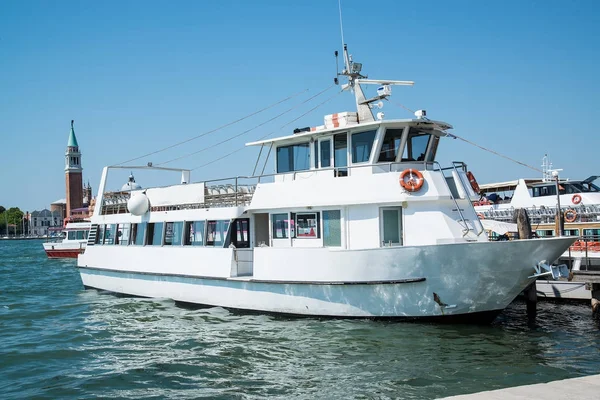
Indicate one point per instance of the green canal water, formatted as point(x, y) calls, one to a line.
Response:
point(58, 340)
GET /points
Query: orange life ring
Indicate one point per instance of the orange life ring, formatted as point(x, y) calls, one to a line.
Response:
point(576, 199)
point(480, 216)
point(570, 215)
point(411, 180)
point(473, 182)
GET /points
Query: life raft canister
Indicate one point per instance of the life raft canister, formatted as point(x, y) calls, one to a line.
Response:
point(473, 182)
point(411, 180)
point(576, 199)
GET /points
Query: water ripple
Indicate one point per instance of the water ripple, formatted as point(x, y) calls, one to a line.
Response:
point(60, 341)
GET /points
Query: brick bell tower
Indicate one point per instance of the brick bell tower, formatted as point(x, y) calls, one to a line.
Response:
point(73, 174)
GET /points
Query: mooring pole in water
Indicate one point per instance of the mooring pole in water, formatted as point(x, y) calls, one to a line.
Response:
point(524, 228)
point(531, 300)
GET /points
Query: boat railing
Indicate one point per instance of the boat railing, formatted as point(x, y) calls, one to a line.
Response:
point(546, 214)
point(456, 165)
point(239, 190)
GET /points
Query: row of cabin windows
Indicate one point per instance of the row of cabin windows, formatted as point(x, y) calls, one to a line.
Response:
point(569, 232)
point(334, 150)
point(186, 233)
point(324, 225)
point(307, 225)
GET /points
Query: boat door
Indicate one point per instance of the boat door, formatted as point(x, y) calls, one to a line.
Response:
point(243, 254)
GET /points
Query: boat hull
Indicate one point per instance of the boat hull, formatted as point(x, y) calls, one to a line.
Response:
point(438, 281)
point(64, 250)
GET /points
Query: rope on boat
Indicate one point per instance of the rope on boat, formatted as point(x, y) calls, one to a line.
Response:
point(247, 130)
point(270, 133)
point(455, 136)
point(216, 129)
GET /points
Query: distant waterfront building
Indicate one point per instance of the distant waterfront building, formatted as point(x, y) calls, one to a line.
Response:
point(79, 196)
point(73, 174)
point(59, 206)
point(42, 222)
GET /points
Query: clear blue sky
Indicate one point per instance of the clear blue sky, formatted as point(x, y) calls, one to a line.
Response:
point(520, 77)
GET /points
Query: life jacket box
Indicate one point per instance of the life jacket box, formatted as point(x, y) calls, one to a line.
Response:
point(340, 120)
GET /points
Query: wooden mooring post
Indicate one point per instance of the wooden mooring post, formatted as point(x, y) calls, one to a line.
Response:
point(521, 218)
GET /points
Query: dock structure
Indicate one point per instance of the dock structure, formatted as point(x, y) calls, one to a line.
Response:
point(591, 279)
point(586, 387)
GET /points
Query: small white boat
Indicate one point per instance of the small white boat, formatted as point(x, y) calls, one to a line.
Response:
point(73, 244)
point(359, 220)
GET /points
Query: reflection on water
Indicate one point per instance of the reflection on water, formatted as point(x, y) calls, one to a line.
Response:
point(61, 341)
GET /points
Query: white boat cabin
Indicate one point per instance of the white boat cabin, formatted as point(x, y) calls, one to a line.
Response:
point(336, 188)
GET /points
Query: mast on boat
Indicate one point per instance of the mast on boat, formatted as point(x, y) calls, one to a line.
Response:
point(352, 71)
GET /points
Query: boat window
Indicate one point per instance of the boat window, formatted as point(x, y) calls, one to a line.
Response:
point(416, 145)
point(71, 235)
point(362, 143)
point(123, 234)
point(332, 228)
point(173, 231)
point(194, 233)
point(571, 232)
point(100, 235)
point(580, 187)
point(325, 153)
point(240, 235)
point(541, 191)
point(280, 225)
point(391, 226)
point(340, 154)
point(391, 145)
point(109, 233)
point(294, 157)
point(81, 235)
point(216, 232)
point(307, 225)
point(138, 233)
point(545, 232)
point(155, 234)
point(593, 233)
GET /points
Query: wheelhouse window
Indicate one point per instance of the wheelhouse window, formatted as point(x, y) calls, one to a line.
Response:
point(362, 143)
point(173, 231)
point(216, 233)
point(307, 225)
point(416, 146)
point(540, 191)
point(325, 153)
point(294, 157)
point(280, 226)
point(391, 145)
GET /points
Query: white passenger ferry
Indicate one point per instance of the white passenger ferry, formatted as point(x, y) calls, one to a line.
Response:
point(72, 244)
point(359, 220)
point(579, 206)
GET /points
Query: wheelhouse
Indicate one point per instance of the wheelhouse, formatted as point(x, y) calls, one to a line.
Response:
point(344, 151)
